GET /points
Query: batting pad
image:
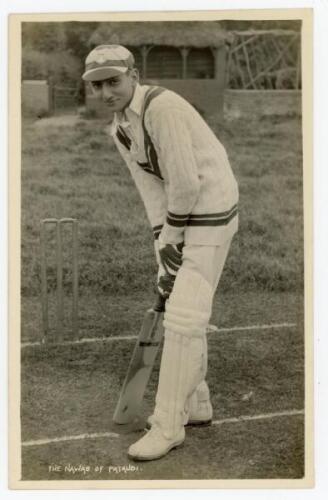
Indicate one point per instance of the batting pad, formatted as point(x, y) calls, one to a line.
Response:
point(188, 309)
point(184, 357)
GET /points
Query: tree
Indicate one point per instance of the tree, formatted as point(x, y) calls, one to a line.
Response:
point(77, 37)
point(171, 33)
point(44, 36)
point(61, 67)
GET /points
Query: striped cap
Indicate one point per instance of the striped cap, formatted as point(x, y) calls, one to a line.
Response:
point(106, 61)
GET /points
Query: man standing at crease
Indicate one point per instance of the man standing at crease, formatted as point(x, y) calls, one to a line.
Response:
point(190, 194)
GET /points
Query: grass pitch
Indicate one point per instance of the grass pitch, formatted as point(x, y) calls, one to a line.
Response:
point(73, 390)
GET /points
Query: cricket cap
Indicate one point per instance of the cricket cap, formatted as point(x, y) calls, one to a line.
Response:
point(106, 61)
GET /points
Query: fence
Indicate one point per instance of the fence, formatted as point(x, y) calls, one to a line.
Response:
point(65, 97)
point(259, 103)
point(263, 60)
point(41, 96)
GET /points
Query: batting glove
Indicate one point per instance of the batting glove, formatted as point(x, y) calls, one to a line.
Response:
point(165, 285)
point(171, 257)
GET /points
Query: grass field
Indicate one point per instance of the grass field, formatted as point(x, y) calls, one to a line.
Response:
point(74, 390)
point(69, 169)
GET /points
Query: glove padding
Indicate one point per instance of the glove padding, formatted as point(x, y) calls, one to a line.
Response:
point(171, 257)
point(165, 284)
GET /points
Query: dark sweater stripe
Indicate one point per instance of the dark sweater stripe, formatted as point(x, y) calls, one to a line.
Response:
point(219, 215)
point(153, 165)
point(123, 138)
point(157, 231)
point(176, 223)
point(177, 216)
point(212, 222)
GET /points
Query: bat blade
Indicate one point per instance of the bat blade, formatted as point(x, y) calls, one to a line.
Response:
point(140, 368)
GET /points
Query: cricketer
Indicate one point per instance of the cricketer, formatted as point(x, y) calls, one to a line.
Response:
point(190, 194)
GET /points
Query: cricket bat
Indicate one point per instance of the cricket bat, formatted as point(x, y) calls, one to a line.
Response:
point(141, 365)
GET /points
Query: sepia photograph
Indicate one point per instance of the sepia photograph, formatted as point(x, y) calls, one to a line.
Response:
point(162, 250)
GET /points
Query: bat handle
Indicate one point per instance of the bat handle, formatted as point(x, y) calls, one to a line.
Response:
point(159, 305)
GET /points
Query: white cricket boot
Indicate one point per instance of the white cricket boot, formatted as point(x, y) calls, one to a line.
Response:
point(154, 444)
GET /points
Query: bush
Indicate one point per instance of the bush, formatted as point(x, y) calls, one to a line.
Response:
point(61, 67)
point(29, 112)
point(88, 114)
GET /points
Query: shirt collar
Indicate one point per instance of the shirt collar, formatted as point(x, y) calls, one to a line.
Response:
point(137, 101)
point(135, 106)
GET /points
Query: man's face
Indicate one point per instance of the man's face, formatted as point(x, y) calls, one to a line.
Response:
point(116, 92)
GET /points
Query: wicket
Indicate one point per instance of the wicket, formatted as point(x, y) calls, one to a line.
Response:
point(59, 278)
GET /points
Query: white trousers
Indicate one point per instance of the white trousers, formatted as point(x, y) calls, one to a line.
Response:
point(184, 358)
point(209, 262)
point(206, 260)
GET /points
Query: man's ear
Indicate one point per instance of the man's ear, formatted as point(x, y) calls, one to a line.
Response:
point(135, 75)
